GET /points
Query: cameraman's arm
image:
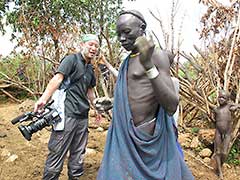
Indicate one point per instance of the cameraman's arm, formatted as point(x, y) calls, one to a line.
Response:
point(53, 84)
point(91, 96)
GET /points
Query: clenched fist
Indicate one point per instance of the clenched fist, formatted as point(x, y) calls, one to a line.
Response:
point(146, 48)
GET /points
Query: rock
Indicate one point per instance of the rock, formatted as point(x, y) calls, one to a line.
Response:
point(205, 153)
point(100, 129)
point(226, 166)
point(185, 139)
point(206, 136)
point(90, 151)
point(195, 142)
point(3, 135)
point(5, 153)
point(207, 160)
point(36, 173)
point(94, 125)
point(12, 158)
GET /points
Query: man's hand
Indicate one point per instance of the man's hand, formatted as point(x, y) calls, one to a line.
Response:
point(98, 119)
point(146, 48)
point(238, 106)
point(234, 107)
point(39, 105)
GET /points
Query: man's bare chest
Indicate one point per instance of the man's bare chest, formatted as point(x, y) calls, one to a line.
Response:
point(139, 86)
point(135, 69)
point(223, 114)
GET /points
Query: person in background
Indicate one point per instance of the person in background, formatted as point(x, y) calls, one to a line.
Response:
point(75, 76)
point(113, 70)
point(224, 123)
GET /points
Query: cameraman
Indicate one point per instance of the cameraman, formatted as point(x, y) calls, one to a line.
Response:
point(77, 73)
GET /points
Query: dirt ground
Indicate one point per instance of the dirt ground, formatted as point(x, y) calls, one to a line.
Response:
point(24, 160)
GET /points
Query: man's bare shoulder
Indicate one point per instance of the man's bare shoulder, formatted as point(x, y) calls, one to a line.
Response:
point(160, 59)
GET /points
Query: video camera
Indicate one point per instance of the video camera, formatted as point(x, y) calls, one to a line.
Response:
point(103, 105)
point(47, 117)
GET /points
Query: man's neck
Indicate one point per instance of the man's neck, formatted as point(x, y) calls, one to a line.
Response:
point(134, 55)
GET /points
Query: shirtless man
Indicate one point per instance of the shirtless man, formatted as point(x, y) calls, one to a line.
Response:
point(223, 129)
point(149, 81)
point(141, 143)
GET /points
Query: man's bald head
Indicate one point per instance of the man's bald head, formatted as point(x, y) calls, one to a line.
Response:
point(137, 15)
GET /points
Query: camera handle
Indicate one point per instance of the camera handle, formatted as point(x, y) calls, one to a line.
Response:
point(29, 115)
point(23, 117)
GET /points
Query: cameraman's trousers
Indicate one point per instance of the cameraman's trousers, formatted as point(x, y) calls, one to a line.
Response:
point(73, 139)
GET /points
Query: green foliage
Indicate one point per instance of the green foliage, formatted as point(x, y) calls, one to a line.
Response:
point(213, 96)
point(198, 149)
point(195, 130)
point(181, 73)
point(39, 16)
point(9, 66)
point(3, 99)
point(3, 7)
point(234, 154)
point(23, 70)
point(51, 28)
point(189, 71)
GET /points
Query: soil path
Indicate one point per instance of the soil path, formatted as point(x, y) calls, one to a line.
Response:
point(24, 160)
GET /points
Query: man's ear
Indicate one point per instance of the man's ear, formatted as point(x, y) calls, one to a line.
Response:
point(143, 26)
point(143, 29)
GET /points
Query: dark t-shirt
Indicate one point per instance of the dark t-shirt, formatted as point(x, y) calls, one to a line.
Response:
point(78, 78)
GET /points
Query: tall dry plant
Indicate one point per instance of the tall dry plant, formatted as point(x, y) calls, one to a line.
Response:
point(216, 67)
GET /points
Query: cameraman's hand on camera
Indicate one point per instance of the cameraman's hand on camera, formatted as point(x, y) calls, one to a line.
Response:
point(39, 105)
point(52, 86)
point(98, 119)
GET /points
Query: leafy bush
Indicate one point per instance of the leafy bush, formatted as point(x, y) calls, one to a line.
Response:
point(33, 73)
point(234, 154)
point(195, 130)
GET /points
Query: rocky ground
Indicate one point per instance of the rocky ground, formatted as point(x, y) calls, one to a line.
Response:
point(24, 160)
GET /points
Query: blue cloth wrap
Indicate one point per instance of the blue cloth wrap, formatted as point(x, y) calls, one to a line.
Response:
point(131, 154)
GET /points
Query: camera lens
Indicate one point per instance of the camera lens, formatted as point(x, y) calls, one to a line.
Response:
point(33, 127)
point(25, 132)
